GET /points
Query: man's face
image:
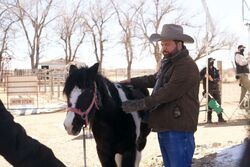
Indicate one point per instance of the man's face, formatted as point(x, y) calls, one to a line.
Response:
point(241, 49)
point(211, 64)
point(168, 47)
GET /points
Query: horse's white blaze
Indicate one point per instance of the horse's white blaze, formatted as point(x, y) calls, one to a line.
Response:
point(136, 118)
point(70, 115)
point(74, 96)
point(68, 122)
point(118, 160)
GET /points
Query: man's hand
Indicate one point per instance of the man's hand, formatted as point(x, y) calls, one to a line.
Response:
point(133, 105)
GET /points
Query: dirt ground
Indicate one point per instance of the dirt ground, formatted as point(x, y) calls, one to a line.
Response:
point(210, 138)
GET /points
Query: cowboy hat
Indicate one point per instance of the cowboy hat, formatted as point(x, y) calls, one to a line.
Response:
point(210, 59)
point(241, 47)
point(171, 32)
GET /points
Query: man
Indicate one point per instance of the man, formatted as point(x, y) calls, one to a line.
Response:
point(213, 87)
point(242, 71)
point(21, 150)
point(174, 104)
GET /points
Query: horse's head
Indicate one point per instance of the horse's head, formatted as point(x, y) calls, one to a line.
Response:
point(81, 92)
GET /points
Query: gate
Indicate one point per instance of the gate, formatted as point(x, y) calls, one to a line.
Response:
point(22, 92)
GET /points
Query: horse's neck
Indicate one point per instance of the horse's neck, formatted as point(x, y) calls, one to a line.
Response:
point(102, 86)
point(106, 89)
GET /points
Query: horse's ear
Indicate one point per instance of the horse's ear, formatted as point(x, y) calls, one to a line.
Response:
point(72, 68)
point(94, 69)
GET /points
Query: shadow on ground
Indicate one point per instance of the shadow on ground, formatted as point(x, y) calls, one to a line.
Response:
point(236, 122)
point(206, 161)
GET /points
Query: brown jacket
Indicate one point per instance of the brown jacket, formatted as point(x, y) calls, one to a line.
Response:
point(175, 105)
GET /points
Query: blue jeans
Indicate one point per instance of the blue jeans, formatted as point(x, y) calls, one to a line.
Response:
point(177, 148)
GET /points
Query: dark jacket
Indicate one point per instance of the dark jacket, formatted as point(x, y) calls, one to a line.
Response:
point(212, 85)
point(19, 149)
point(178, 93)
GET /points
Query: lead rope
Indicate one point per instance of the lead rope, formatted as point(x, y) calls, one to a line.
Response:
point(84, 147)
point(94, 101)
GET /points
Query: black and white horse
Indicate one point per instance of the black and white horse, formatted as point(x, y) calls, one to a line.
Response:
point(93, 99)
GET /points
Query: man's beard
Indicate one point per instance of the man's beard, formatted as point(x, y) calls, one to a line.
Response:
point(168, 54)
point(241, 51)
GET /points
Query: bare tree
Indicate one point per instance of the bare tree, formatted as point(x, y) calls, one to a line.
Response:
point(127, 21)
point(6, 23)
point(160, 10)
point(34, 13)
point(72, 32)
point(97, 16)
point(213, 41)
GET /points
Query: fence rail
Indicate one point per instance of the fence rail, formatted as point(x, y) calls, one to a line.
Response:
point(43, 87)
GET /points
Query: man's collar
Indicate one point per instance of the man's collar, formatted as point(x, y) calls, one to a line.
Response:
point(182, 53)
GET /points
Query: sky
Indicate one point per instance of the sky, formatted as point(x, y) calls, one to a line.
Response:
point(225, 13)
point(228, 15)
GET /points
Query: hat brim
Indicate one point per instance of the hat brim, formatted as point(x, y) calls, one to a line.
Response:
point(182, 37)
point(211, 60)
point(241, 47)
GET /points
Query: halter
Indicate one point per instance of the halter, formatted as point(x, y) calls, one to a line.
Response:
point(84, 115)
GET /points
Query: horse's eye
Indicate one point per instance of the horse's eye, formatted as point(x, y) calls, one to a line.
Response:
point(69, 104)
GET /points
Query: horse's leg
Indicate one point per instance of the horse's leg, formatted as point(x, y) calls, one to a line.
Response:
point(106, 158)
point(142, 139)
point(131, 158)
point(137, 158)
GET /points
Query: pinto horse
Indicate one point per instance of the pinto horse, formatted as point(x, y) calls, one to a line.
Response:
point(95, 101)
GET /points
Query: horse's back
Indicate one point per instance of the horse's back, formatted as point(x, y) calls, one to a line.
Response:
point(137, 92)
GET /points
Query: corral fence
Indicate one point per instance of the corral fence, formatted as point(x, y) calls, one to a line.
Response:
point(29, 89)
point(43, 88)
